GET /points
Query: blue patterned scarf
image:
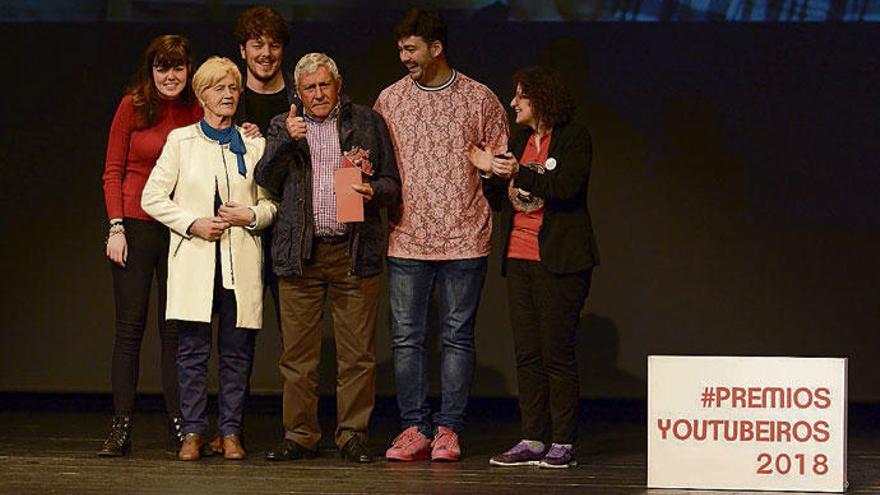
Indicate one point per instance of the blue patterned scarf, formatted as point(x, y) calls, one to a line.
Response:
point(229, 136)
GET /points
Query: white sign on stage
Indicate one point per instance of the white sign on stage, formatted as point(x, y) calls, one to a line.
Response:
point(747, 423)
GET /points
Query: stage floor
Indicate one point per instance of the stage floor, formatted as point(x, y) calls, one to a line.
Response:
point(52, 450)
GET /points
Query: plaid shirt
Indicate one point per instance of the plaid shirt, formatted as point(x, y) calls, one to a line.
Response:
point(323, 139)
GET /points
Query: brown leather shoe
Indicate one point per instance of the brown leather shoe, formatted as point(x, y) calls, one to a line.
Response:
point(191, 448)
point(232, 448)
point(214, 447)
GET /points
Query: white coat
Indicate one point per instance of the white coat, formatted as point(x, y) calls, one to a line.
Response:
point(179, 191)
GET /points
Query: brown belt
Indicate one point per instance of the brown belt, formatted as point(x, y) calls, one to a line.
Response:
point(335, 239)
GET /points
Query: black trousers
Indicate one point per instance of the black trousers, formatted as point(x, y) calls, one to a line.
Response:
point(544, 314)
point(270, 280)
point(147, 256)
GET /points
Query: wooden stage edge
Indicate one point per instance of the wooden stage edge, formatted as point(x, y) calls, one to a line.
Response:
point(48, 442)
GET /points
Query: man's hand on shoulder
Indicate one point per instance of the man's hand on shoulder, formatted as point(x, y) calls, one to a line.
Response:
point(251, 130)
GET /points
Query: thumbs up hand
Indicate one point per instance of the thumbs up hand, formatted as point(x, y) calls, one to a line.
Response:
point(296, 126)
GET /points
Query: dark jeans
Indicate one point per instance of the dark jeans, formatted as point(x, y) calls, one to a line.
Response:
point(236, 357)
point(544, 314)
point(411, 283)
point(147, 254)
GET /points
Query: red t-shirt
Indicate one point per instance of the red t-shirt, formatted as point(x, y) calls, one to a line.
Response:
point(526, 225)
point(132, 154)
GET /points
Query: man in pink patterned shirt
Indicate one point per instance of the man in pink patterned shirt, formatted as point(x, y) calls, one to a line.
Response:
point(440, 234)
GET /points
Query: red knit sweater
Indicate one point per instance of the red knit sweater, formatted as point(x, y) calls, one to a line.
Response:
point(132, 154)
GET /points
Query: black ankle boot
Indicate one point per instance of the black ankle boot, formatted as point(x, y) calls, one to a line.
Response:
point(118, 442)
point(175, 432)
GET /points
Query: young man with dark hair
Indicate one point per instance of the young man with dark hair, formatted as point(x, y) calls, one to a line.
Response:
point(262, 34)
point(441, 234)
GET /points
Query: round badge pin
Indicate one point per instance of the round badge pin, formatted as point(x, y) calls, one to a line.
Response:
point(550, 164)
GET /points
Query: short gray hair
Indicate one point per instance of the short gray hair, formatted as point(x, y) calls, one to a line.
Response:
point(310, 62)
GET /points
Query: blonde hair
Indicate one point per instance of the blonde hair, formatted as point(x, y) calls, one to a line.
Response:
point(310, 62)
point(211, 72)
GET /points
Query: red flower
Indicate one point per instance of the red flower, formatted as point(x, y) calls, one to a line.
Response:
point(359, 158)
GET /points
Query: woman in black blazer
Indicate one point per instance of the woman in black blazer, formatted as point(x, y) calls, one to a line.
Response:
point(540, 190)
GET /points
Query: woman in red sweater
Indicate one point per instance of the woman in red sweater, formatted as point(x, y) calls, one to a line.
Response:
point(159, 100)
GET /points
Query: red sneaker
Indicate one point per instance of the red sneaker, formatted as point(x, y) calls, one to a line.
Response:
point(410, 445)
point(445, 447)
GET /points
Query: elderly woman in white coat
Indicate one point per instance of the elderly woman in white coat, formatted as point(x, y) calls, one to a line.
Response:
point(203, 189)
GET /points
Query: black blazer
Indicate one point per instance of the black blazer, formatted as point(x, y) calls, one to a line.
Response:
point(565, 242)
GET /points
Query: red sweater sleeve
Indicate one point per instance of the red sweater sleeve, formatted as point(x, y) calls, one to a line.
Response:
point(117, 152)
point(197, 112)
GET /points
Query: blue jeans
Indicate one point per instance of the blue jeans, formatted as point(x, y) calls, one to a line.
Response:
point(411, 284)
point(235, 358)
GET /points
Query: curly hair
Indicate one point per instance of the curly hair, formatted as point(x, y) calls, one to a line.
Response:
point(170, 50)
point(256, 22)
point(551, 100)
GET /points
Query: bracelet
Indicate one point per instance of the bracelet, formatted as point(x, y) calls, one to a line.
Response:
point(114, 230)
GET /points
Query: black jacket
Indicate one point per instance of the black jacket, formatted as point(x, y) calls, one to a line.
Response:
point(286, 172)
point(565, 242)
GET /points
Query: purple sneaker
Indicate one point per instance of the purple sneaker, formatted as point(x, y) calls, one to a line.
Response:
point(558, 457)
point(519, 455)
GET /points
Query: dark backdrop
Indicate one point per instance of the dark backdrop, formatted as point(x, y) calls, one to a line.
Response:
point(733, 191)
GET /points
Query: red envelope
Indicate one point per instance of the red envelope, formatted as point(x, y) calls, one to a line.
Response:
point(349, 204)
